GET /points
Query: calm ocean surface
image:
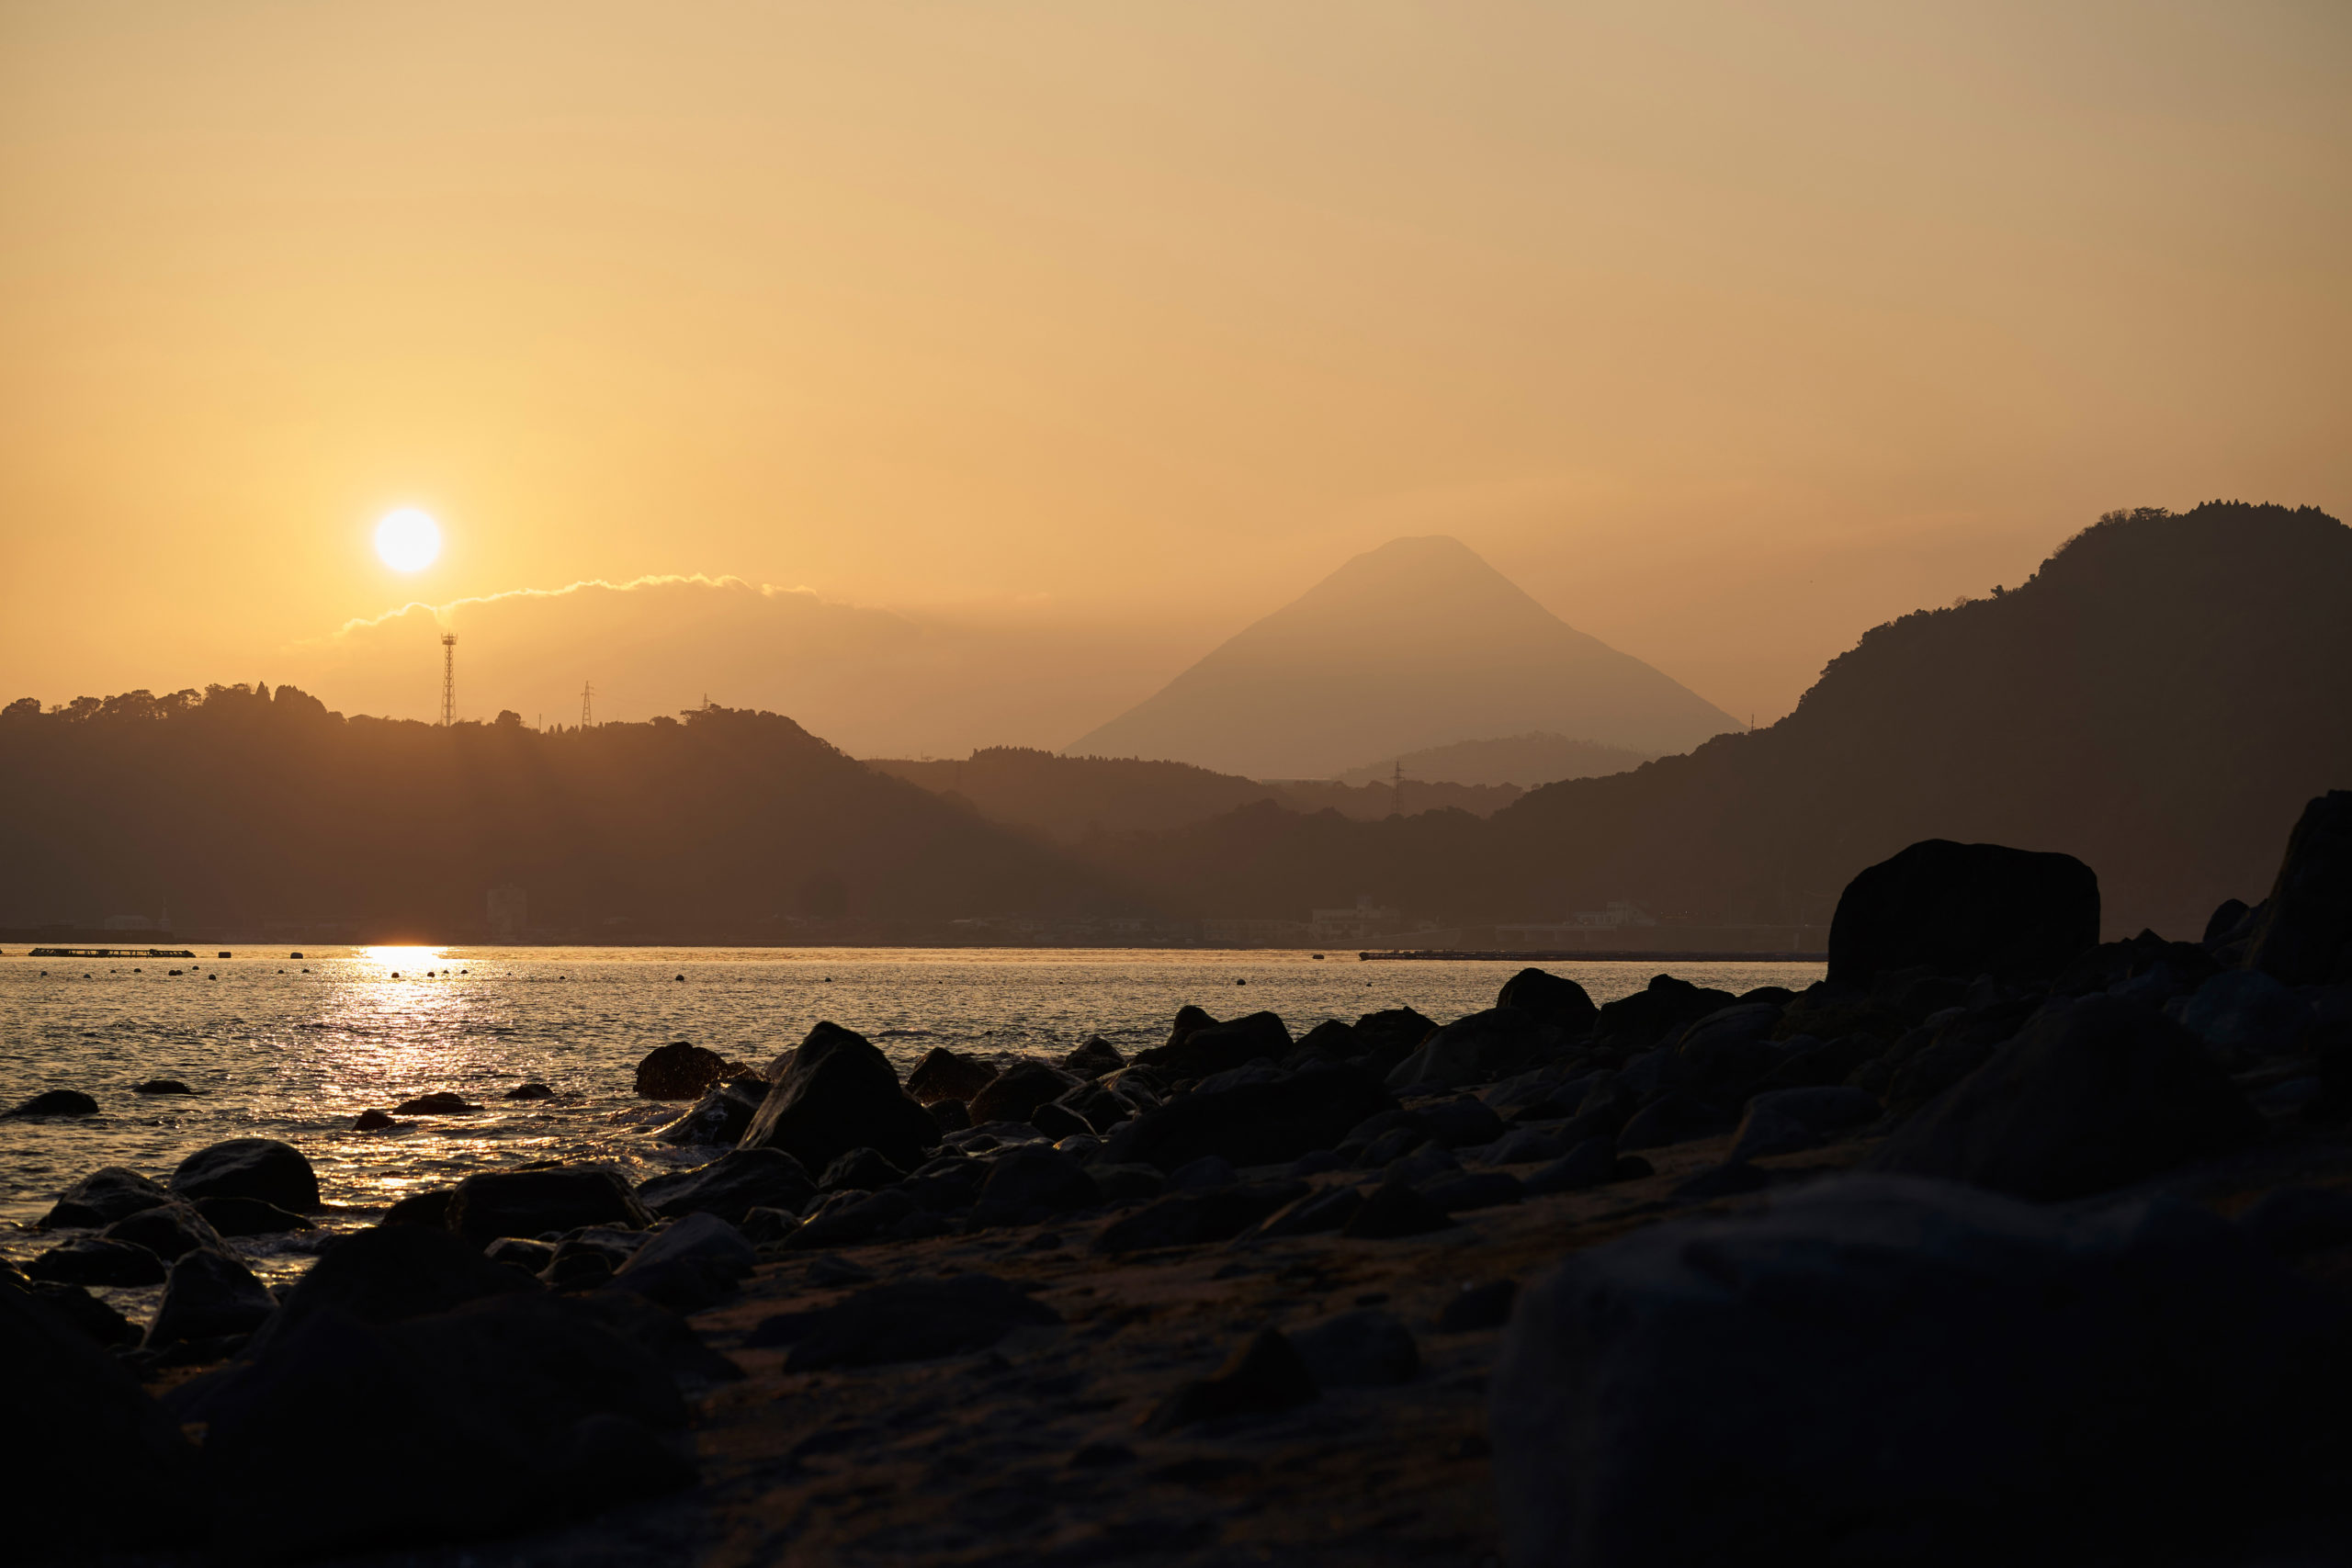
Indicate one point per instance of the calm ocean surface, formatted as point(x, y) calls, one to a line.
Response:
point(295, 1049)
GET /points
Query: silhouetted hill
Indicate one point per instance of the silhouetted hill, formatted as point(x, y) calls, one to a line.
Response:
point(1418, 643)
point(2159, 699)
point(1526, 760)
point(240, 808)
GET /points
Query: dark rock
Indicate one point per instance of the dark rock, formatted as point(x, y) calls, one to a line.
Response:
point(912, 1320)
point(2244, 1014)
point(1593, 1163)
point(1932, 1070)
point(1964, 909)
point(94, 1260)
point(1526, 1146)
point(1632, 1167)
point(532, 1091)
point(90, 1463)
point(391, 1273)
point(1094, 1058)
point(1790, 1120)
point(2291, 1221)
point(532, 1203)
point(1835, 1012)
point(162, 1086)
point(430, 1207)
point(1392, 1210)
point(1189, 1219)
point(659, 1332)
point(690, 1265)
point(56, 1103)
point(860, 1170)
point(764, 1227)
point(1724, 1054)
point(1729, 1179)
point(1812, 1064)
point(1877, 1370)
point(945, 1075)
point(731, 1187)
point(682, 1071)
point(1315, 1162)
point(1675, 1118)
point(949, 1115)
point(1264, 1123)
point(852, 1218)
point(1474, 1190)
point(521, 1254)
point(1032, 1178)
point(589, 1258)
point(1059, 1122)
point(250, 1167)
point(1424, 1163)
point(1653, 1014)
point(1211, 1048)
point(1015, 1094)
point(441, 1102)
point(2304, 937)
point(1475, 1307)
point(374, 1122)
point(1263, 1376)
point(1127, 1183)
point(169, 1232)
point(504, 1412)
point(1471, 1049)
point(839, 1094)
point(1330, 1040)
point(720, 1118)
point(108, 1194)
point(1199, 1174)
point(2094, 1094)
point(208, 1295)
point(1551, 999)
point(86, 1312)
point(1315, 1213)
point(1387, 1037)
point(1364, 1348)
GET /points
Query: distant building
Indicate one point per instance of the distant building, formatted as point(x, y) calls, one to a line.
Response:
point(135, 923)
point(1583, 924)
point(1361, 923)
point(510, 913)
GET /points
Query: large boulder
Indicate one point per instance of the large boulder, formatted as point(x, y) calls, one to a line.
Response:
point(1877, 1369)
point(2304, 937)
point(909, 1320)
point(682, 1071)
point(390, 1274)
point(1015, 1094)
point(1964, 909)
point(947, 1075)
point(2093, 1093)
point(731, 1186)
point(1724, 1053)
point(1258, 1123)
point(55, 1103)
point(250, 1167)
point(1552, 999)
point(532, 1202)
point(1476, 1049)
point(168, 1231)
point(1032, 1181)
point(1655, 1013)
point(838, 1094)
point(208, 1295)
point(88, 1463)
point(689, 1265)
point(719, 1117)
point(2244, 1013)
point(95, 1260)
point(1199, 1045)
point(108, 1194)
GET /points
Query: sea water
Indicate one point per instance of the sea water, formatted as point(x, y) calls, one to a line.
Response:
point(295, 1048)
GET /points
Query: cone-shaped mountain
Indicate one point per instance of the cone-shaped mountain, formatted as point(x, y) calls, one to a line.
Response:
point(1418, 643)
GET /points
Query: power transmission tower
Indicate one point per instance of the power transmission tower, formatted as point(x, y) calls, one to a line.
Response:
point(1396, 783)
point(587, 711)
point(448, 679)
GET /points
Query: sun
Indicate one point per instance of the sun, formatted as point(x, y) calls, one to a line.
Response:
point(408, 540)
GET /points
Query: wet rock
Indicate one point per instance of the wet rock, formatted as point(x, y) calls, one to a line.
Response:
point(520, 1253)
point(56, 1103)
point(86, 1313)
point(169, 1232)
point(1475, 1307)
point(1364, 1348)
point(502, 1413)
point(946, 1074)
point(1394, 1210)
point(1094, 1058)
point(1267, 1124)
point(1593, 1163)
point(430, 1207)
point(1675, 1118)
point(682, 1071)
point(1474, 1190)
point(1058, 1122)
point(690, 1265)
point(532, 1203)
point(1032, 1180)
point(765, 1227)
point(1551, 999)
point(1265, 1375)
point(731, 1187)
point(1471, 1049)
point(2304, 935)
point(839, 1094)
point(1191, 1219)
point(108, 1194)
point(949, 1115)
point(1316, 1213)
point(208, 1295)
point(1015, 1094)
point(860, 1170)
point(441, 1102)
point(1651, 1015)
point(90, 1463)
point(720, 1118)
point(250, 1167)
point(374, 1122)
point(1964, 909)
point(93, 1261)
point(589, 1257)
point(532, 1091)
point(2292, 1221)
point(912, 1320)
point(162, 1086)
point(1196, 1049)
point(851, 1219)
point(2094, 1094)
point(1872, 1370)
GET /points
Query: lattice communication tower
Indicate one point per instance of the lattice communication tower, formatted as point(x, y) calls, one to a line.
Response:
point(448, 679)
point(587, 706)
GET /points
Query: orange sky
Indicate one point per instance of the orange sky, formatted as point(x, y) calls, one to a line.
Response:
point(1727, 331)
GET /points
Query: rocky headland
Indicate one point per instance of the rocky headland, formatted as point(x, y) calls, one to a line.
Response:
point(2000, 1243)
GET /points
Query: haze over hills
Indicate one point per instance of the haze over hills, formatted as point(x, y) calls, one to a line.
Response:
point(2160, 699)
point(1526, 760)
point(1417, 644)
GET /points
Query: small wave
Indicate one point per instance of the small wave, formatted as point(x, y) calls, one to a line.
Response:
point(905, 1034)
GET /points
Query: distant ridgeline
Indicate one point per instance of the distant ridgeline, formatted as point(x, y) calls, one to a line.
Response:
point(2160, 700)
point(241, 808)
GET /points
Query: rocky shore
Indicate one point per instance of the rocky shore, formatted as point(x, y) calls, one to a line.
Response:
point(2000, 1243)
